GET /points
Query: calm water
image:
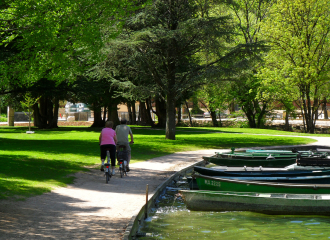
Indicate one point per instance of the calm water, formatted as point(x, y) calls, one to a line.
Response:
point(173, 221)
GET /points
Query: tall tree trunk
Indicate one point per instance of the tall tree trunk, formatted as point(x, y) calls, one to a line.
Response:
point(98, 121)
point(189, 115)
point(130, 116)
point(43, 113)
point(214, 118)
point(232, 107)
point(316, 108)
point(143, 114)
point(309, 117)
point(113, 113)
point(149, 110)
point(250, 116)
point(36, 115)
point(220, 122)
point(49, 111)
point(54, 120)
point(11, 116)
point(287, 125)
point(303, 116)
point(171, 81)
point(161, 112)
point(170, 117)
point(179, 114)
point(261, 114)
point(133, 113)
point(42, 110)
point(105, 113)
point(325, 109)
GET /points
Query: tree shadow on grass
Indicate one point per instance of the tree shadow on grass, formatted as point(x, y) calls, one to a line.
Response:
point(52, 146)
point(53, 131)
point(21, 175)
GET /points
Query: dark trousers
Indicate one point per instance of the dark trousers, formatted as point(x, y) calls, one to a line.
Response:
point(112, 149)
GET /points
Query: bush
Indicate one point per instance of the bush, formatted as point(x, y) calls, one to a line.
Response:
point(186, 123)
point(229, 124)
point(3, 118)
point(239, 113)
point(236, 124)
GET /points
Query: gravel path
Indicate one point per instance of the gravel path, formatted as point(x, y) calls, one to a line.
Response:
point(90, 208)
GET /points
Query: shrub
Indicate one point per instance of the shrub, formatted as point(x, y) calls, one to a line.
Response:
point(3, 118)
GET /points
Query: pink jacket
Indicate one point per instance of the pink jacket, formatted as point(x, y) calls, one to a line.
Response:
point(107, 135)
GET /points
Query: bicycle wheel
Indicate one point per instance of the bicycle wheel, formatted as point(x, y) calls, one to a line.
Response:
point(125, 167)
point(121, 170)
point(108, 156)
point(107, 172)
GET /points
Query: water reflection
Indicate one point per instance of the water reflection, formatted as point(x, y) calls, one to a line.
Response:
point(173, 221)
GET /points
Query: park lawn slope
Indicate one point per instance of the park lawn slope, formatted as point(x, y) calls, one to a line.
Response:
point(36, 163)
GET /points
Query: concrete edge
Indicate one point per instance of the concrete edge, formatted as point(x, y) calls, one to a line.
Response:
point(137, 219)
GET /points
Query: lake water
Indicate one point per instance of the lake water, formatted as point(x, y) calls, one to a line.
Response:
point(173, 221)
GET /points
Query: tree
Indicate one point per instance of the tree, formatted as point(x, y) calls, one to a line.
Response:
point(298, 32)
point(245, 86)
point(45, 111)
point(28, 103)
point(54, 39)
point(215, 99)
point(168, 36)
point(126, 71)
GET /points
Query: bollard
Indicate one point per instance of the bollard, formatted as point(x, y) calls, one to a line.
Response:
point(146, 208)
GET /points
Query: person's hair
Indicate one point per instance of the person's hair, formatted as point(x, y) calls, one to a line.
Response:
point(109, 124)
point(123, 121)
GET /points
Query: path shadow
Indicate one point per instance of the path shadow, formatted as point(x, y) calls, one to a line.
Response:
point(54, 216)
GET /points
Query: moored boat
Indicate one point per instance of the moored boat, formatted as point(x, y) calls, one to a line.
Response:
point(320, 179)
point(251, 161)
point(225, 184)
point(258, 171)
point(266, 158)
point(318, 160)
point(269, 203)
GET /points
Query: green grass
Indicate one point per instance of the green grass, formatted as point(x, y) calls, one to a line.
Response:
point(32, 164)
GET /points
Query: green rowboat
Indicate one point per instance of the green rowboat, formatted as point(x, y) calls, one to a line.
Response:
point(265, 158)
point(223, 184)
point(269, 203)
point(251, 161)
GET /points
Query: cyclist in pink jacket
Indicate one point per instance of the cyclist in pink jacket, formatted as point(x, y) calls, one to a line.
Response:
point(108, 141)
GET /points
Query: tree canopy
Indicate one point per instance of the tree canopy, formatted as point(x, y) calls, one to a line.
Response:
point(54, 39)
point(299, 34)
point(170, 39)
point(167, 51)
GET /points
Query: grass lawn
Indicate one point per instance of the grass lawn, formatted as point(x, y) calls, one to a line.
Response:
point(32, 164)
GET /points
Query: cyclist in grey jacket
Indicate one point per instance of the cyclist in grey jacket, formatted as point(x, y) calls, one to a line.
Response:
point(122, 132)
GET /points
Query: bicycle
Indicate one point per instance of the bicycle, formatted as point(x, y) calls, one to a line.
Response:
point(107, 170)
point(122, 156)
